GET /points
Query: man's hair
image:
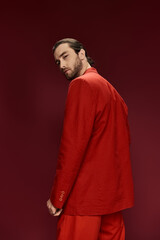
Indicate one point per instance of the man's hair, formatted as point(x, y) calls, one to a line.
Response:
point(75, 45)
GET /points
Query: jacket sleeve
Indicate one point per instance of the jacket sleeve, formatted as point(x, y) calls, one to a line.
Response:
point(77, 128)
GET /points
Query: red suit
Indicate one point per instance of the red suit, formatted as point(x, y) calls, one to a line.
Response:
point(93, 174)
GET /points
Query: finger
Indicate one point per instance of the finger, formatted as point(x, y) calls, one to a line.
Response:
point(58, 213)
point(52, 213)
point(48, 203)
point(51, 210)
point(49, 207)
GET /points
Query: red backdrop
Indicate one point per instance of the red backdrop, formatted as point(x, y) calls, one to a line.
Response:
point(123, 39)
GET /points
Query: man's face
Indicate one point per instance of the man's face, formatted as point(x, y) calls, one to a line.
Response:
point(68, 61)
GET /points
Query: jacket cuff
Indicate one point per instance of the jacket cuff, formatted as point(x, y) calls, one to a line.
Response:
point(58, 198)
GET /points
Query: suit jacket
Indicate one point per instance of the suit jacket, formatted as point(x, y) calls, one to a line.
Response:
point(93, 174)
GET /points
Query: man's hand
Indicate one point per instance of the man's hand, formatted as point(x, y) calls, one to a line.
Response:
point(53, 211)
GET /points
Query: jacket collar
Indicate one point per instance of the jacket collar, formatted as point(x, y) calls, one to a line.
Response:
point(91, 69)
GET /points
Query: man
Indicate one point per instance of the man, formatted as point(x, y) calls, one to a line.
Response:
point(93, 181)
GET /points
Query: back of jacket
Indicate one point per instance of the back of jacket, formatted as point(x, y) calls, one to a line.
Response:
point(93, 174)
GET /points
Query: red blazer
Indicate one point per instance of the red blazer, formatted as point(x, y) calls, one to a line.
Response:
point(93, 174)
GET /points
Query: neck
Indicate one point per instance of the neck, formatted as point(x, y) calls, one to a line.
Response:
point(84, 68)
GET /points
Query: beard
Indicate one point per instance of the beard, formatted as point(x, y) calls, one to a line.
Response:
point(76, 70)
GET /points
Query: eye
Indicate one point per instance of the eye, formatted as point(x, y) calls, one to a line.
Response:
point(57, 62)
point(65, 56)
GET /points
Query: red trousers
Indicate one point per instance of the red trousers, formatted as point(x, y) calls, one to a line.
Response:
point(105, 227)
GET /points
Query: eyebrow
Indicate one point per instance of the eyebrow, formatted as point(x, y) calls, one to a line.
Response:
point(63, 53)
point(57, 61)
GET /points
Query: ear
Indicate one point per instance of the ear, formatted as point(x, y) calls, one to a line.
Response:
point(81, 54)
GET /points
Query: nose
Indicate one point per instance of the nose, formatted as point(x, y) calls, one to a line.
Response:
point(62, 65)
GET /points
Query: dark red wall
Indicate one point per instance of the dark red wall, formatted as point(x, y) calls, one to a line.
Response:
point(123, 38)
